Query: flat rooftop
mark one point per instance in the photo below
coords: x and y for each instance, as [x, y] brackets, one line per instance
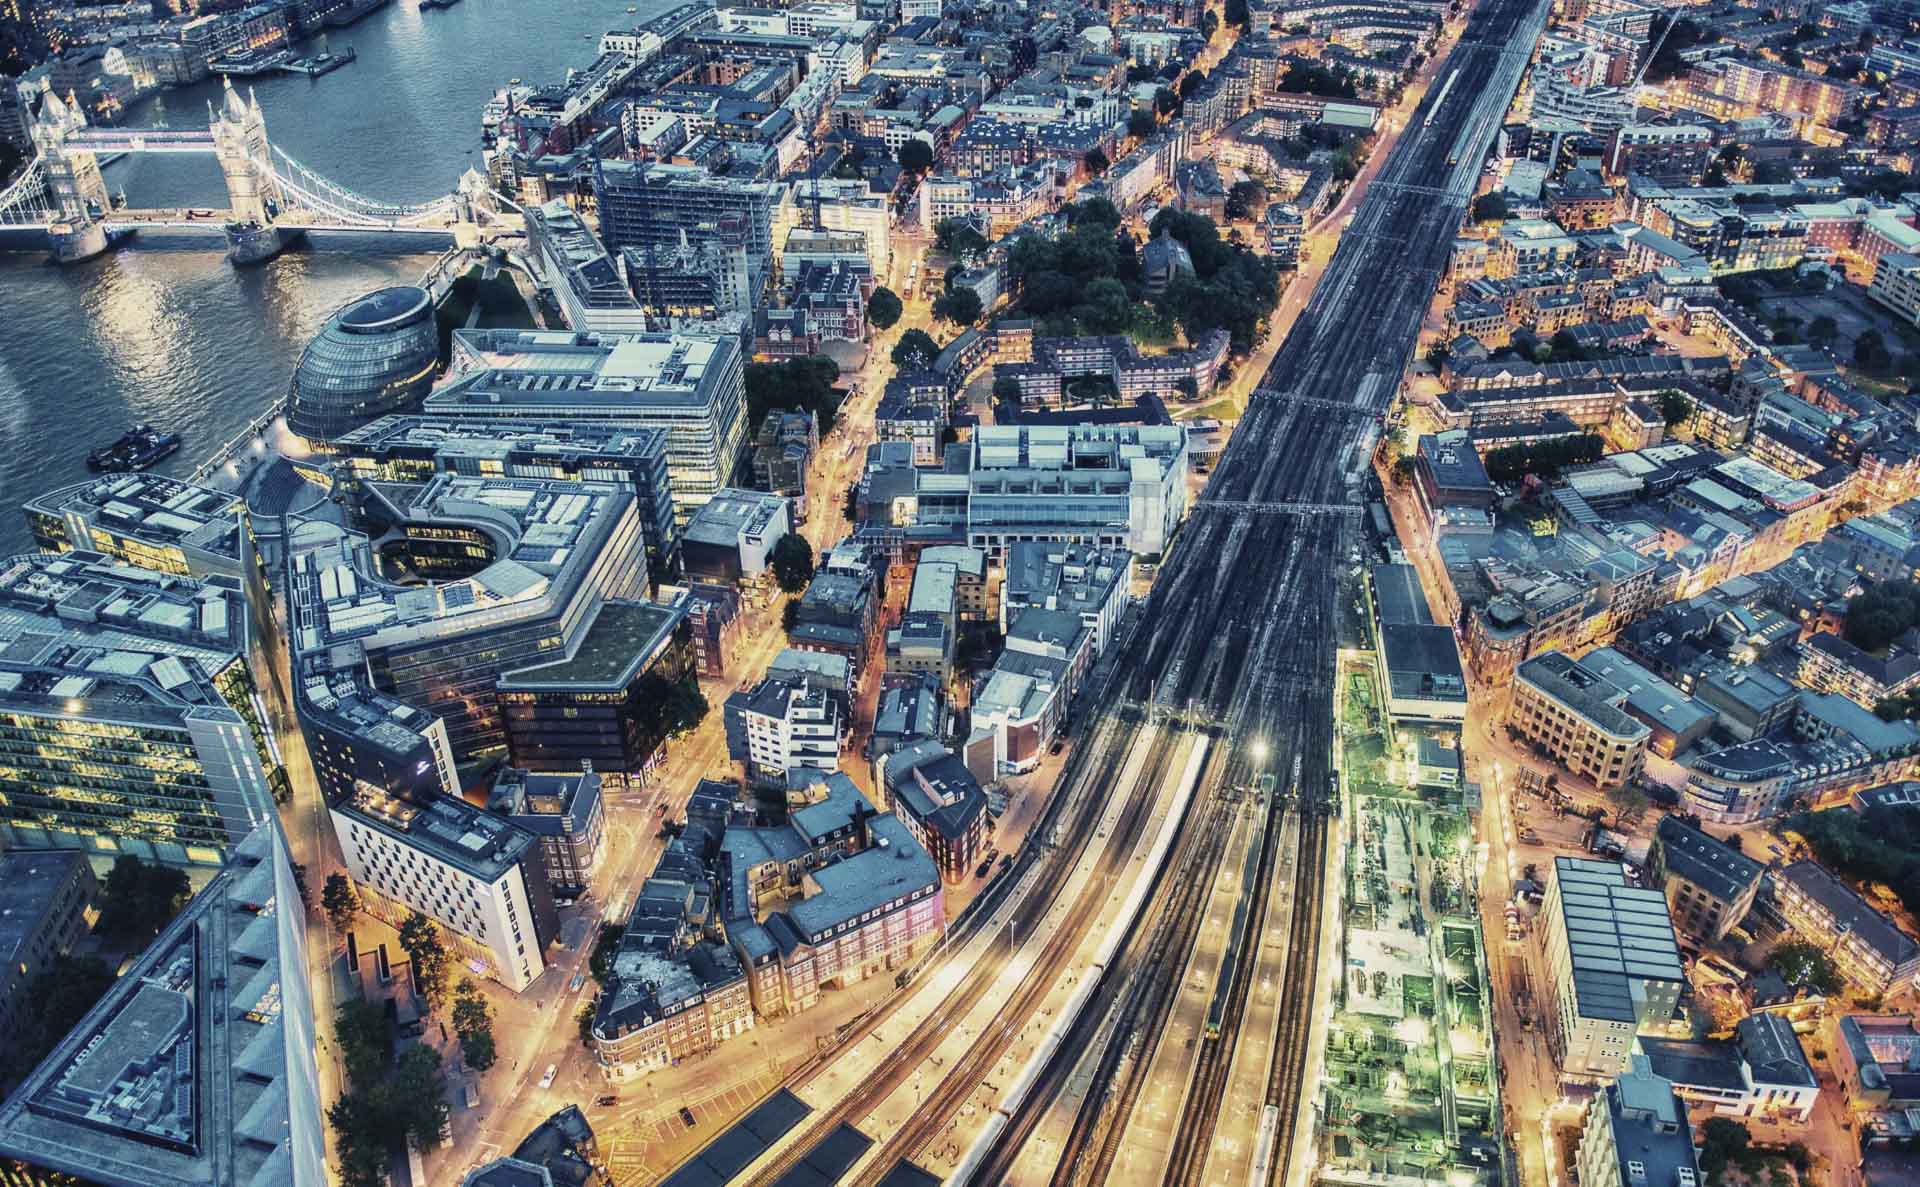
[152, 508]
[622, 639]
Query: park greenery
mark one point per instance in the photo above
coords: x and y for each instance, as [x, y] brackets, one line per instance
[1803, 964]
[140, 898]
[1089, 280]
[388, 1103]
[1880, 845]
[1544, 458]
[1882, 614]
[52, 1003]
[792, 562]
[794, 385]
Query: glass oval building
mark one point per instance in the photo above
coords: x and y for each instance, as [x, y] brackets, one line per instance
[377, 355]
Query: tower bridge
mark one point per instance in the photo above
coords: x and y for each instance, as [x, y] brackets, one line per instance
[271, 198]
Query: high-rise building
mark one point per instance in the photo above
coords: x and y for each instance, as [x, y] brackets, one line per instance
[198, 1066]
[416, 448]
[481, 878]
[377, 355]
[44, 899]
[690, 386]
[647, 206]
[577, 269]
[522, 573]
[130, 720]
[1613, 967]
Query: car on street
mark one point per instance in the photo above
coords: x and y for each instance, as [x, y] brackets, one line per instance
[606, 1099]
[686, 1115]
[579, 979]
[553, 1071]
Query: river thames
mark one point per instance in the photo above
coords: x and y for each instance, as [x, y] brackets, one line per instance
[182, 339]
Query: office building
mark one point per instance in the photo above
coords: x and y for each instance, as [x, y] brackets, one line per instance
[1577, 716]
[575, 267]
[1868, 948]
[418, 448]
[1636, 1134]
[781, 726]
[840, 615]
[1452, 486]
[1095, 583]
[198, 1066]
[154, 522]
[1760, 1075]
[649, 207]
[835, 896]
[1021, 706]
[731, 537]
[523, 569]
[1710, 885]
[1878, 1062]
[568, 815]
[44, 900]
[130, 720]
[1613, 968]
[941, 803]
[691, 387]
[482, 879]
[972, 596]
[605, 704]
[377, 355]
[1110, 486]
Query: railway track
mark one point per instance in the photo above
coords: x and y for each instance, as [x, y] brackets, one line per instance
[1286, 1082]
[959, 1082]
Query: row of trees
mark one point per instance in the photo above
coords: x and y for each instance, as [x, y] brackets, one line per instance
[1882, 614]
[1879, 845]
[388, 1102]
[1544, 458]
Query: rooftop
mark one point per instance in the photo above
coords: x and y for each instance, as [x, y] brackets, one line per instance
[732, 515]
[1723, 871]
[193, 1069]
[446, 828]
[151, 508]
[1619, 937]
[622, 640]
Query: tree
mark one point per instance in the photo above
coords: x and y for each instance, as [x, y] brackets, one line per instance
[792, 562]
[794, 385]
[915, 351]
[1166, 102]
[1188, 389]
[1096, 161]
[360, 1033]
[1545, 458]
[339, 901]
[1245, 199]
[1006, 390]
[883, 308]
[583, 1019]
[417, 1096]
[1675, 407]
[1141, 123]
[959, 238]
[1822, 330]
[473, 1022]
[605, 945]
[789, 616]
[51, 1005]
[1801, 963]
[916, 156]
[140, 898]
[1490, 207]
[961, 307]
[359, 1153]
[1870, 353]
[1208, 23]
[432, 967]
[1722, 1141]
[1190, 84]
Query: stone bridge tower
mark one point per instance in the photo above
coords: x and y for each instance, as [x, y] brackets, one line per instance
[246, 158]
[74, 184]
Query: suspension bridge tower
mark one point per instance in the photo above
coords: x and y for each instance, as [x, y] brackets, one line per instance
[74, 185]
[253, 189]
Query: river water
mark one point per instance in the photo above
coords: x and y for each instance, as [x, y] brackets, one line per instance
[176, 336]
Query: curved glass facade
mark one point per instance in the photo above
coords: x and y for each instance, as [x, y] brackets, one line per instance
[375, 356]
